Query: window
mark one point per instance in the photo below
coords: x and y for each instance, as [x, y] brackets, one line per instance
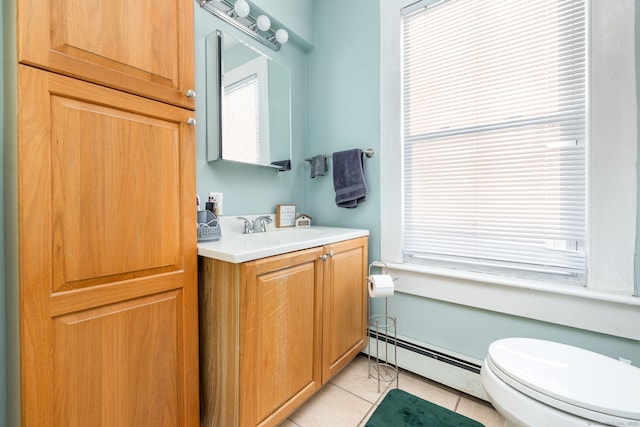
[494, 140]
[245, 111]
[241, 119]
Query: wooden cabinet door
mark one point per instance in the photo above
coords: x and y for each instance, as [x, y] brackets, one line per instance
[143, 47]
[345, 304]
[107, 257]
[280, 336]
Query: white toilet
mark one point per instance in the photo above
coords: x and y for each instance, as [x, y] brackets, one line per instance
[546, 384]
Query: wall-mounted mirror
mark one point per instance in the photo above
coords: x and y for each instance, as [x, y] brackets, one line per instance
[248, 105]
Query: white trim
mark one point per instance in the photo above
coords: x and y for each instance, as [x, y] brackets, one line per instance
[613, 136]
[390, 130]
[605, 305]
[567, 305]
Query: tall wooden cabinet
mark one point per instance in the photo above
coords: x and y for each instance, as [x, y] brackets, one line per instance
[104, 214]
[274, 330]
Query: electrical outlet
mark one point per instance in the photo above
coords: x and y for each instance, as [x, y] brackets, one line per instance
[217, 197]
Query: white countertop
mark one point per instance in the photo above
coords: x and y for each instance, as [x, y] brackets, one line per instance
[236, 247]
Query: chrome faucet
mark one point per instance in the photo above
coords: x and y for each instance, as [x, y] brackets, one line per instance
[260, 223]
[248, 225]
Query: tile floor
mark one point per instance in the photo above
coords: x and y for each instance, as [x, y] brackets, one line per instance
[350, 398]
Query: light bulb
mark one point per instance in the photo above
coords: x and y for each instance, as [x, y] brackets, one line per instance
[263, 22]
[241, 8]
[282, 36]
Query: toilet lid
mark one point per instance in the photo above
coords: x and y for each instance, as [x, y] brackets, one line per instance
[576, 376]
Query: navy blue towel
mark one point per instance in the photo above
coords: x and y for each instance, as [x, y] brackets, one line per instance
[318, 165]
[285, 165]
[348, 178]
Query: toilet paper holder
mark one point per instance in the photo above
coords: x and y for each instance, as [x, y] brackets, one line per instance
[385, 329]
[380, 264]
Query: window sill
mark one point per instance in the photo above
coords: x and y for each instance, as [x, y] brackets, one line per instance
[578, 307]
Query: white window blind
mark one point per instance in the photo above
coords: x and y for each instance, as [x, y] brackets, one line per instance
[494, 136]
[241, 121]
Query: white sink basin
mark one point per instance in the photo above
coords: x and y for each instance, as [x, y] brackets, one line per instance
[236, 248]
[279, 236]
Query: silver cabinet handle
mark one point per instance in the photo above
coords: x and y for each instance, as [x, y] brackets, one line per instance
[331, 254]
[323, 257]
[191, 93]
[191, 121]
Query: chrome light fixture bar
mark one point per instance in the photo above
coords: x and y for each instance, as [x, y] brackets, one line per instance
[238, 15]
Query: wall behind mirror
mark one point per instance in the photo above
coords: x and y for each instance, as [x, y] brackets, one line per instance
[248, 105]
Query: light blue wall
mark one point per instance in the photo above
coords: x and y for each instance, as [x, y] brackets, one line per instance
[250, 189]
[469, 331]
[343, 109]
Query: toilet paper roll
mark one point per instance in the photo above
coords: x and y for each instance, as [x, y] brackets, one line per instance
[380, 285]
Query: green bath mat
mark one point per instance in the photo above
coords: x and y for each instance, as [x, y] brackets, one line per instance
[400, 408]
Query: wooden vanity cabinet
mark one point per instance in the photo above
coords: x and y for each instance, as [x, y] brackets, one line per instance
[274, 330]
[345, 304]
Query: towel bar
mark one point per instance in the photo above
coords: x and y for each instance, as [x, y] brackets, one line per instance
[369, 152]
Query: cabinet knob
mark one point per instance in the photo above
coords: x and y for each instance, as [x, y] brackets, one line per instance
[323, 257]
[191, 93]
[331, 254]
[191, 121]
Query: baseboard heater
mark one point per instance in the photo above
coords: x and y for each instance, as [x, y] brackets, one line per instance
[424, 351]
[433, 364]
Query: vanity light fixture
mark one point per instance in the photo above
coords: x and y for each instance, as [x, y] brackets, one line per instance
[263, 23]
[241, 8]
[238, 14]
[281, 36]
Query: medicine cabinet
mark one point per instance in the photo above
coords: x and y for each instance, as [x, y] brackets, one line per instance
[248, 104]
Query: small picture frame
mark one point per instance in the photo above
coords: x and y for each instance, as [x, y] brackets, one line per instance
[285, 216]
